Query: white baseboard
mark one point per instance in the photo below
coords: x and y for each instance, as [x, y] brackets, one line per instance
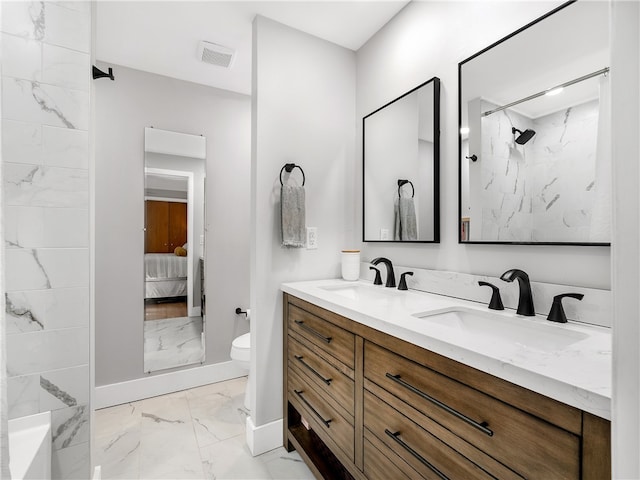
[154, 385]
[265, 437]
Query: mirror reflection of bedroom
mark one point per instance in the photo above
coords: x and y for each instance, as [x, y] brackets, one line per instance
[173, 252]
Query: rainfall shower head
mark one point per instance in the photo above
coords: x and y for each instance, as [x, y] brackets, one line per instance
[524, 137]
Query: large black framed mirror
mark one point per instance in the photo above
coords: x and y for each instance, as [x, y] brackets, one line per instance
[401, 156]
[534, 143]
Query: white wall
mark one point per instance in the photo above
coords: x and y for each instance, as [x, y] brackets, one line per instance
[429, 39]
[123, 108]
[625, 108]
[303, 112]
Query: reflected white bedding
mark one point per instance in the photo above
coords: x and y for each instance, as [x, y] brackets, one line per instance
[165, 288]
[164, 266]
[165, 275]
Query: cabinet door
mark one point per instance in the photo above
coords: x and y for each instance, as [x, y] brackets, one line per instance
[177, 225]
[156, 238]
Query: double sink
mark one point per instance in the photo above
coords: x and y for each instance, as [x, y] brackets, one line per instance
[500, 329]
[569, 362]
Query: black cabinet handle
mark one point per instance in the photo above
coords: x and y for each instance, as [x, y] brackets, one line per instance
[480, 426]
[302, 325]
[315, 412]
[313, 370]
[396, 437]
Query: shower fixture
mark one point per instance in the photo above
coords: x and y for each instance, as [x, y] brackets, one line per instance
[524, 137]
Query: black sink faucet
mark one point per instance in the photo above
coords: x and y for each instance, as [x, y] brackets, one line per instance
[391, 278]
[525, 302]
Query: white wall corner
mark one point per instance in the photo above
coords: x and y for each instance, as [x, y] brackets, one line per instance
[263, 438]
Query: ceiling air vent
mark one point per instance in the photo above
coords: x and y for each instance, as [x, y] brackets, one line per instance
[215, 54]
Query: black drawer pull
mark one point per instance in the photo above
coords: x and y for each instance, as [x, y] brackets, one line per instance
[312, 331]
[315, 412]
[313, 370]
[480, 426]
[396, 437]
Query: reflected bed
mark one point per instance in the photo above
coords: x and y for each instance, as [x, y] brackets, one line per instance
[165, 275]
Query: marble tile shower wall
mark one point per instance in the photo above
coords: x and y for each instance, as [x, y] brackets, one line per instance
[45, 153]
[544, 190]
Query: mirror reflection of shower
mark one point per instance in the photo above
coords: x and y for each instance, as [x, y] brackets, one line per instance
[543, 165]
[173, 254]
[523, 137]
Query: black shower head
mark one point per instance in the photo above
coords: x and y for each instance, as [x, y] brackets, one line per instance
[524, 137]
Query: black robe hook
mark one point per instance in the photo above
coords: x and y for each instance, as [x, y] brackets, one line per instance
[97, 73]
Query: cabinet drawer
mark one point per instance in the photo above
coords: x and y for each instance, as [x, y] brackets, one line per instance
[323, 334]
[327, 377]
[330, 426]
[528, 445]
[378, 466]
[397, 436]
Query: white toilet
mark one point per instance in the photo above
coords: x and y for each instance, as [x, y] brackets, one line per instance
[241, 355]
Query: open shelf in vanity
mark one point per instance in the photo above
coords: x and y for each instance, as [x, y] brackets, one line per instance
[379, 407]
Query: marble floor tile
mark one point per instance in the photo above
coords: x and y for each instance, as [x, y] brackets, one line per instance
[193, 434]
[283, 465]
[111, 422]
[218, 411]
[231, 459]
[117, 440]
[172, 342]
[168, 417]
[118, 454]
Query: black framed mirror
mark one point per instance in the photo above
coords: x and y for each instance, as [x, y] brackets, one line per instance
[534, 142]
[401, 156]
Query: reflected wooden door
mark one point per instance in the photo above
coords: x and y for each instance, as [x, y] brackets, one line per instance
[177, 230]
[166, 226]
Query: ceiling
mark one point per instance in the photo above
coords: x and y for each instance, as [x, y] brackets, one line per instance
[163, 37]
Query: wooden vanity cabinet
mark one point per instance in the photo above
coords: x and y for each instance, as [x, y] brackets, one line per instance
[365, 405]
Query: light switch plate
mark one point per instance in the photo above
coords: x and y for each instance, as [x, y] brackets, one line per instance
[384, 234]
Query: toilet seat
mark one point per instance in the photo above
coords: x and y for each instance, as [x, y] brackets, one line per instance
[241, 348]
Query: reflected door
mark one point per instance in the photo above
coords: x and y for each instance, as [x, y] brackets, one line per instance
[166, 226]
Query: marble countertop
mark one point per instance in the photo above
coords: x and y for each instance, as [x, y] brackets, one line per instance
[568, 362]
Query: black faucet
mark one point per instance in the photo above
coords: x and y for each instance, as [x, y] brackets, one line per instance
[496, 300]
[556, 314]
[403, 281]
[525, 302]
[391, 278]
[378, 279]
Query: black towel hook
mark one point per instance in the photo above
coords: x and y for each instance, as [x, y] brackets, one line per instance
[404, 182]
[97, 73]
[289, 168]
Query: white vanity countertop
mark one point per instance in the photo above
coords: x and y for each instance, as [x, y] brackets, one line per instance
[576, 371]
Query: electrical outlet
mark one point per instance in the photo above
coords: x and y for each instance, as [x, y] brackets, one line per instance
[384, 234]
[312, 238]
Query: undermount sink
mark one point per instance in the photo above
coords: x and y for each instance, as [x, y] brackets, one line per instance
[518, 331]
[358, 291]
